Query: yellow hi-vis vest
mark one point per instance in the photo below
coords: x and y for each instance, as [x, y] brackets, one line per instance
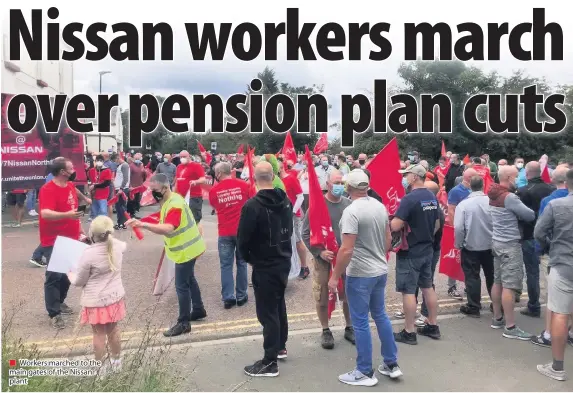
[185, 243]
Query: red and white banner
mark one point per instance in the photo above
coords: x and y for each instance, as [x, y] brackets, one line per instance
[450, 257]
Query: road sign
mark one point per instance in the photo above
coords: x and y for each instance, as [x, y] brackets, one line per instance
[213, 145]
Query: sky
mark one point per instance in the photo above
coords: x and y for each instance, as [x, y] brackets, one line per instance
[186, 76]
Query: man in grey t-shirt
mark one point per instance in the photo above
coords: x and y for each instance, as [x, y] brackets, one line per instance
[366, 237]
[167, 168]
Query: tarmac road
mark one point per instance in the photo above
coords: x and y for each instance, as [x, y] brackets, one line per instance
[23, 297]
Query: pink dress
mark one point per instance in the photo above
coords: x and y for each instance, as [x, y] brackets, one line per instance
[102, 315]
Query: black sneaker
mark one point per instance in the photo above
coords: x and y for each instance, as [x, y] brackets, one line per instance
[177, 330]
[262, 370]
[230, 304]
[326, 339]
[407, 338]
[65, 309]
[58, 322]
[198, 314]
[304, 273]
[432, 331]
[243, 301]
[533, 314]
[541, 340]
[38, 262]
[349, 334]
[470, 311]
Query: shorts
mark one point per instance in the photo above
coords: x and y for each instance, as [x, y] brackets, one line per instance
[320, 277]
[16, 199]
[559, 293]
[196, 206]
[297, 229]
[412, 273]
[508, 265]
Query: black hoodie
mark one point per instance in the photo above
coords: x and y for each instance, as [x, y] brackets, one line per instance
[265, 231]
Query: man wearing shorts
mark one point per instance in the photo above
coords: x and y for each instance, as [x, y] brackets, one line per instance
[322, 258]
[419, 211]
[555, 224]
[296, 197]
[506, 212]
[17, 199]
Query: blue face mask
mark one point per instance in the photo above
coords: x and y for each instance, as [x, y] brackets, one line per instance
[405, 183]
[337, 189]
[138, 162]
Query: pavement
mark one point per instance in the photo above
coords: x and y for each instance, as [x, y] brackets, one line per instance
[147, 315]
[470, 356]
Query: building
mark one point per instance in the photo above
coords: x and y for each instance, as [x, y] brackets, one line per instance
[53, 77]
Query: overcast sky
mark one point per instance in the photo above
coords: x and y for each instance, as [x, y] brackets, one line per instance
[185, 76]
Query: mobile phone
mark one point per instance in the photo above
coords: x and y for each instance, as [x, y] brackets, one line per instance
[82, 208]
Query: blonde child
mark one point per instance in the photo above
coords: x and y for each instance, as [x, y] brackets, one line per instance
[99, 274]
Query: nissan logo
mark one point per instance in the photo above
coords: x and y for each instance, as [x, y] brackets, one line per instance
[20, 139]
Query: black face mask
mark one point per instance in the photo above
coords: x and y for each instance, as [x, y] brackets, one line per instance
[157, 195]
[72, 177]
[362, 162]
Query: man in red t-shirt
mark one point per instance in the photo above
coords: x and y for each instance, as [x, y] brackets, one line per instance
[227, 197]
[101, 178]
[188, 179]
[296, 197]
[59, 216]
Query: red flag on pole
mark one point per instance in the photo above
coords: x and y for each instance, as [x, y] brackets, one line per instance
[240, 150]
[322, 144]
[444, 152]
[467, 159]
[208, 157]
[251, 169]
[450, 257]
[321, 233]
[288, 151]
[545, 175]
[384, 176]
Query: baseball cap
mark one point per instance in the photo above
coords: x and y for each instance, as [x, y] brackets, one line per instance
[358, 179]
[415, 169]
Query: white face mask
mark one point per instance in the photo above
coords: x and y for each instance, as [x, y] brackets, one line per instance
[519, 165]
[99, 164]
[184, 160]
[165, 160]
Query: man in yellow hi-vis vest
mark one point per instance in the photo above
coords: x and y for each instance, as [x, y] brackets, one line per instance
[183, 244]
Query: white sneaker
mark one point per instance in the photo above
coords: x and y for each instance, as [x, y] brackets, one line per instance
[392, 372]
[356, 378]
[33, 213]
[421, 322]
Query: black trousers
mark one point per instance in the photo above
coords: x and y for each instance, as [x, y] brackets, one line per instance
[269, 288]
[472, 261]
[133, 204]
[56, 287]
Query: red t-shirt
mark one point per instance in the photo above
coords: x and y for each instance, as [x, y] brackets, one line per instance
[61, 200]
[185, 174]
[173, 217]
[293, 188]
[228, 198]
[97, 177]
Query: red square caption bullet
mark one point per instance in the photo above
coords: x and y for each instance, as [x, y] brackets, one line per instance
[12, 363]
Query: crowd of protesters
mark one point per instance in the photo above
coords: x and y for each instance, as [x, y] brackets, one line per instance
[505, 217]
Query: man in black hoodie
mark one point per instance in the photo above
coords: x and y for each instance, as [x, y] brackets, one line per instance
[264, 241]
[456, 169]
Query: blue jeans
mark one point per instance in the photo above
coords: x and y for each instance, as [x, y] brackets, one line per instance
[227, 253]
[364, 295]
[99, 208]
[532, 261]
[187, 289]
[31, 200]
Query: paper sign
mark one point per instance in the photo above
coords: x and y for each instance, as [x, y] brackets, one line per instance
[65, 255]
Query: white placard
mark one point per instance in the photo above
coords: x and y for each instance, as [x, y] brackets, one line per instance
[65, 255]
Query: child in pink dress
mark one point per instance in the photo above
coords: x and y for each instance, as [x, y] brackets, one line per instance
[99, 274]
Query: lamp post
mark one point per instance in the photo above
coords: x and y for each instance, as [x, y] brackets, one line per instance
[101, 73]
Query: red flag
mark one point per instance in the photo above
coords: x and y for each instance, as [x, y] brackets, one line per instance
[138, 190]
[208, 156]
[322, 144]
[201, 148]
[450, 257]
[321, 233]
[467, 159]
[240, 149]
[545, 175]
[152, 218]
[444, 152]
[251, 169]
[485, 174]
[384, 176]
[288, 151]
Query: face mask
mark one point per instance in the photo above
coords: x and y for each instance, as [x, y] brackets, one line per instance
[337, 189]
[157, 195]
[138, 162]
[405, 183]
[411, 158]
[324, 163]
[99, 164]
[362, 162]
[72, 177]
[519, 165]
[165, 160]
[442, 165]
[304, 166]
[184, 161]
